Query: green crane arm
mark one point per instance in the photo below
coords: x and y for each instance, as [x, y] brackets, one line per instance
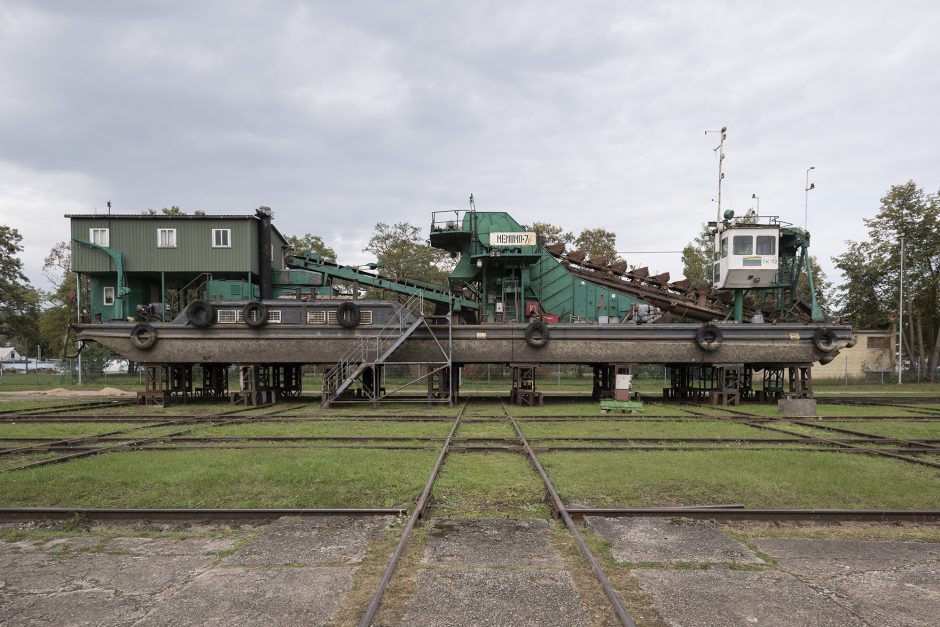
[121, 290]
[431, 292]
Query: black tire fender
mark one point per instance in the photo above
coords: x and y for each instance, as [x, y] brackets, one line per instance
[255, 314]
[199, 313]
[347, 315]
[143, 336]
[709, 337]
[825, 339]
[536, 334]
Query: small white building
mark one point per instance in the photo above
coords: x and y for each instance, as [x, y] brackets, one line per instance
[9, 354]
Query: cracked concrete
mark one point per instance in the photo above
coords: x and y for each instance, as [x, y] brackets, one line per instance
[493, 572]
[484, 572]
[123, 578]
[673, 540]
[884, 583]
[719, 596]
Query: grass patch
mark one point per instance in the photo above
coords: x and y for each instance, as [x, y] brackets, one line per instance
[825, 409]
[143, 411]
[591, 408]
[900, 429]
[351, 428]
[66, 430]
[224, 478]
[488, 485]
[21, 459]
[785, 479]
[637, 429]
[488, 429]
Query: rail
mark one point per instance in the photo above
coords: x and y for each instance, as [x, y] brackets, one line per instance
[376, 600]
[559, 507]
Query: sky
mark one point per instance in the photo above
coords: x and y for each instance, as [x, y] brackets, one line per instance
[339, 115]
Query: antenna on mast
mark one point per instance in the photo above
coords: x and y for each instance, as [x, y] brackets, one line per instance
[473, 205]
[720, 149]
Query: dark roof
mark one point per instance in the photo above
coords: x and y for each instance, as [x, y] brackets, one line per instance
[163, 216]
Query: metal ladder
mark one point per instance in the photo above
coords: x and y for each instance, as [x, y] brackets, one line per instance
[371, 351]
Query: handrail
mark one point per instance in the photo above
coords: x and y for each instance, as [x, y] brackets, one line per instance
[205, 277]
[361, 352]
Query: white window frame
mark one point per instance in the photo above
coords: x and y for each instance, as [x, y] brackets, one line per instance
[171, 239]
[228, 238]
[231, 316]
[365, 316]
[316, 316]
[331, 316]
[107, 296]
[274, 316]
[105, 233]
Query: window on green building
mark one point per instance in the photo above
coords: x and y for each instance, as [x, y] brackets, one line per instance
[101, 237]
[108, 296]
[166, 238]
[221, 238]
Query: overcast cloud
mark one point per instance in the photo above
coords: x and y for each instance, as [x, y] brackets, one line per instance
[342, 114]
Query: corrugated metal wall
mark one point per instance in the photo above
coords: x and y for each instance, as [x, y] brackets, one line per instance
[137, 240]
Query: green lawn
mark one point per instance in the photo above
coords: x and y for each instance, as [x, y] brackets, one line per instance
[224, 478]
[487, 429]
[900, 429]
[352, 428]
[479, 485]
[21, 459]
[787, 479]
[67, 430]
[663, 429]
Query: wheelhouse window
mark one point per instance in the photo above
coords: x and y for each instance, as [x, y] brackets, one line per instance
[108, 296]
[166, 238]
[766, 245]
[743, 245]
[101, 237]
[221, 238]
[724, 247]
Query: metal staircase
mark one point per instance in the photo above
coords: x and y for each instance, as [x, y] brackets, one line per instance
[365, 359]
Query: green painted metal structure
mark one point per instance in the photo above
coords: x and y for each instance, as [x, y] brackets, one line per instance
[511, 277]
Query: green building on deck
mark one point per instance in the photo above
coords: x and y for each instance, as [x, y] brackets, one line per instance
[140, 260]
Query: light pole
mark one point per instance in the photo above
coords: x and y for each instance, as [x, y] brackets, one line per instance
[806, 202]
[757, 198]
[720, 150]
[901, 316]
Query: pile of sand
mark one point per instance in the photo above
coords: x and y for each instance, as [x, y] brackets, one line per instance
[64, 393]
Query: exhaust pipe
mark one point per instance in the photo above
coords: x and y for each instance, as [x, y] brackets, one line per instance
[264, 251]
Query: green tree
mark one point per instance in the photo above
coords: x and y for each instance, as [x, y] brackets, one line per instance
[59, 303]
[697, 264]
[403, 253]
[872, 270]
[598, 242]
[169, 211]
[551, 234]
[309, 243]
[19, 302]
